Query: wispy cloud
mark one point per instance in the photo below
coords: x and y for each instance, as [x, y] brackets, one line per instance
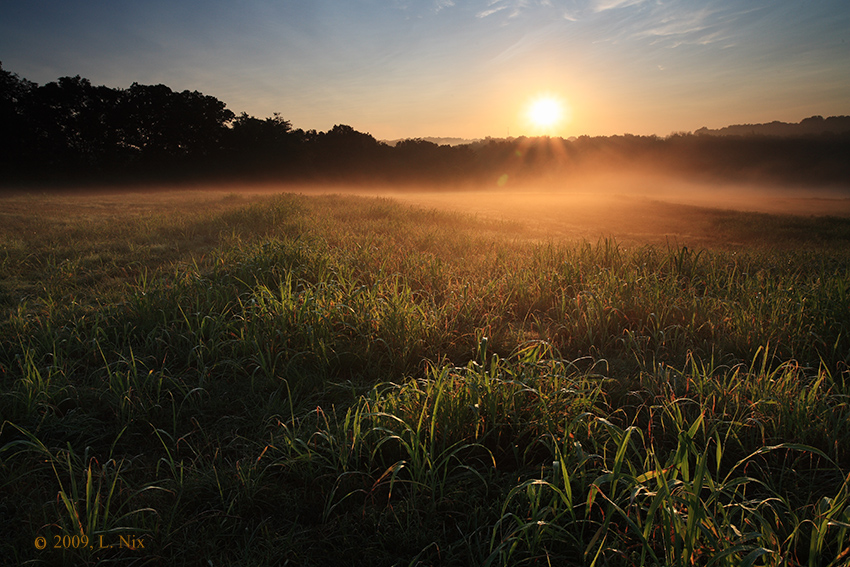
[688, 27]
[664, 23]
[667, 24]
[490, 11]
[514, 7]
[570, 10]
[604, 5]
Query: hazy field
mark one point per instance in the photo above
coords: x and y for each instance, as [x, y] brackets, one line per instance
[634, 210]
[614, 374]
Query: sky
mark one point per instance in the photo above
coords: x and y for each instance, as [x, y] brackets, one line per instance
[456, 68]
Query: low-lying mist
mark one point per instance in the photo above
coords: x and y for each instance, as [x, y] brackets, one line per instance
[632, 206]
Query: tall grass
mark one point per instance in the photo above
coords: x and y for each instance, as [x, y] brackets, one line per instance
[341, 379]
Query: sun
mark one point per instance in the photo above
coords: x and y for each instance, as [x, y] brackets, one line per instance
[546, 112]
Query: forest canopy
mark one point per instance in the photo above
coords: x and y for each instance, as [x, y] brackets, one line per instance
[70, 132]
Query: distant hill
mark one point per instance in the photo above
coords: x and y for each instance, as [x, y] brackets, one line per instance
[438, 141]
[813, 126]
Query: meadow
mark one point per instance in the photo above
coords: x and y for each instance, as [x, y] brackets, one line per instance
[226, 378]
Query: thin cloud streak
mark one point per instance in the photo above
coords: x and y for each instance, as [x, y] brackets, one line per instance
[490, 11]
[605, 5]
[669, 25]
[685, 27]
[515, 7]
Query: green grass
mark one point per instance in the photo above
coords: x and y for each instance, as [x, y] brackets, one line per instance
[349, 380]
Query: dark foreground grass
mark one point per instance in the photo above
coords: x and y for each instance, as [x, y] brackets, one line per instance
[343, 380]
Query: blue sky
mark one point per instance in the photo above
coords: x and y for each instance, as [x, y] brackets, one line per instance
[408, 68]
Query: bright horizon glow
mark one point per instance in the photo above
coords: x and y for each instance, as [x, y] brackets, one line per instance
[420, 68]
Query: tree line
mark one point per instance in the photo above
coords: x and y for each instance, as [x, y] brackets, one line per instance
[72, 132]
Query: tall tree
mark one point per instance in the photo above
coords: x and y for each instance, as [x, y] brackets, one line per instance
[261, 147]
[167, 127]
[73, 123]
[15, 135]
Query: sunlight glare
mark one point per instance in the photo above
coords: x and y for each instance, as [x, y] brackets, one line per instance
[546, 112]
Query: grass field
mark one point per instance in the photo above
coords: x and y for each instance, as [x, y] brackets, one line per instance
[211, 378]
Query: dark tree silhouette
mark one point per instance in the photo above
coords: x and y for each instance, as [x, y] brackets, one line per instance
[170, 129]
[16, 136]
[261, 148]
[343, 152]
[73, 123]
[431, 162]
